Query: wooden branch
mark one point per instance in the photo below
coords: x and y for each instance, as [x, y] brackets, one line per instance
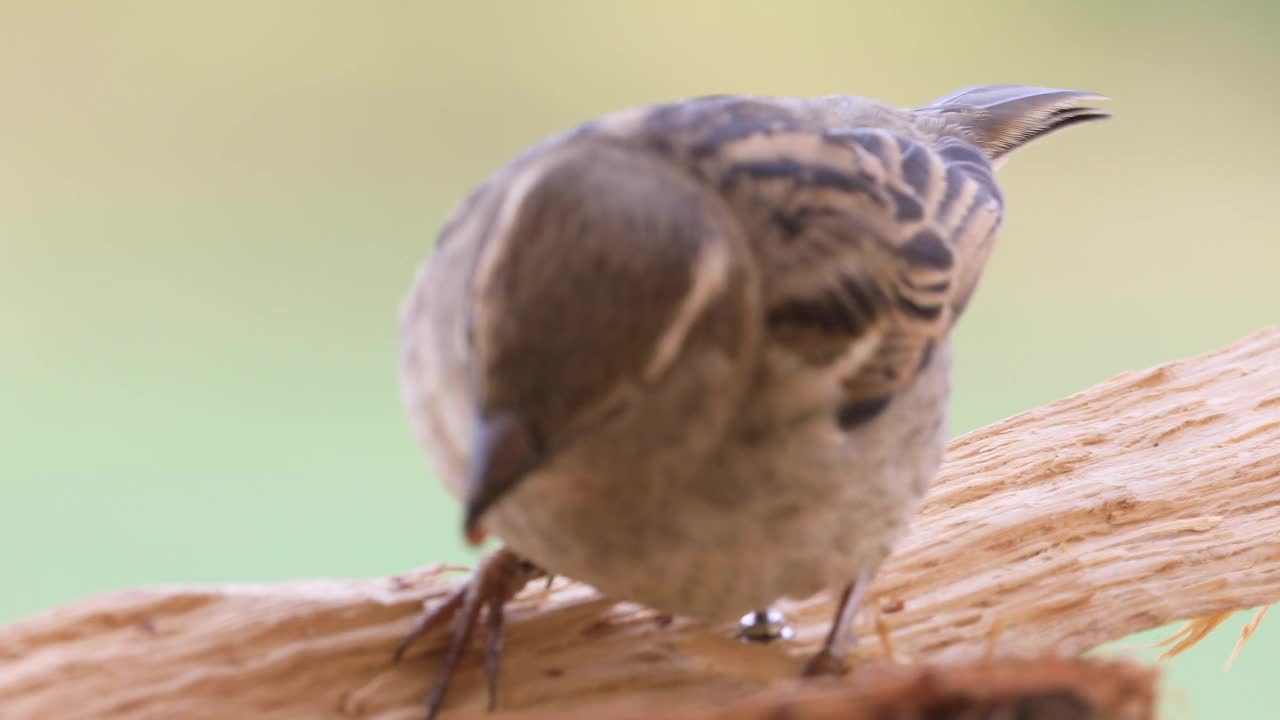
[1042, 689]
[1152, 497]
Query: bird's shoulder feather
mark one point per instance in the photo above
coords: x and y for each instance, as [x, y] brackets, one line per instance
[870, 234]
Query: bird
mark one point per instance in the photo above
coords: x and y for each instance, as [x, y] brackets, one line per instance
[697, 354]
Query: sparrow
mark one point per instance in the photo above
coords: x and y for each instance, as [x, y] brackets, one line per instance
[697, 354]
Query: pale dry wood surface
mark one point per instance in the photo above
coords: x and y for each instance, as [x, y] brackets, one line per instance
[1002, 689]
[1152, 497]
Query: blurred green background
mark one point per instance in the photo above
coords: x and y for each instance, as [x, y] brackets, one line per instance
[209, 214]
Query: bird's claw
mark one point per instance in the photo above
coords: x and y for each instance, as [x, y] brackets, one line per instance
[497, 579]
[825, 664]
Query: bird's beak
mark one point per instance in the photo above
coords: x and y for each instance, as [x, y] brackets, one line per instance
[504, 450]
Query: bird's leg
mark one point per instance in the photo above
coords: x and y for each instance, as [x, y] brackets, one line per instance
[499, 577]
[830, 659]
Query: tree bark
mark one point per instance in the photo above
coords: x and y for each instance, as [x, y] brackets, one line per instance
[1149, 498]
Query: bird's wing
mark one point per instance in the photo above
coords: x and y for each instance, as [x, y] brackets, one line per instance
[870, 240]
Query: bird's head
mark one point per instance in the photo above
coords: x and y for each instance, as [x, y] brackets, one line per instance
[605, 275]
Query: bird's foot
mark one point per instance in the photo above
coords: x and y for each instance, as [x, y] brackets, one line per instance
[825, 664]
[498, 578]
[830, 660]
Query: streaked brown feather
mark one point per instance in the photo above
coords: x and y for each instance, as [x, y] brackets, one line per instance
[861, 233]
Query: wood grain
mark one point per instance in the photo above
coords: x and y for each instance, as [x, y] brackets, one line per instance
[1151, 497]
